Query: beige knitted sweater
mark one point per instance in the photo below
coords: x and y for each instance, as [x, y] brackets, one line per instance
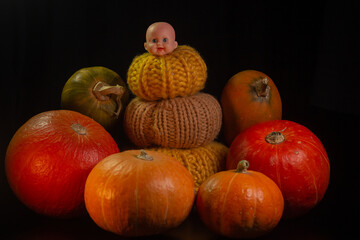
[182, 122]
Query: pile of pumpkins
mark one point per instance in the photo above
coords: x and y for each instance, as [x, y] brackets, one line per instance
[64, 163]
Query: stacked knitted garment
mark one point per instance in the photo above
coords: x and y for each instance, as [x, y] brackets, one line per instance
[171, 115]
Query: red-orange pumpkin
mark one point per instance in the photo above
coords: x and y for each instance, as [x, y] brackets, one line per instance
[291, 155]
[138, 193]
[49, 158]
[240, 203]
[249, 97]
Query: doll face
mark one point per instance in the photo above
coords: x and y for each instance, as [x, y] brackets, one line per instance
[160, 39]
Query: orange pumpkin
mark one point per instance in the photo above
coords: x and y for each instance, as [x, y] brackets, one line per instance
[138, 193]
[249, 97]
[240, 203]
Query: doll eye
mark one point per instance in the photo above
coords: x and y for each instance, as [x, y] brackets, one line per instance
[165, 40]
[154, 40]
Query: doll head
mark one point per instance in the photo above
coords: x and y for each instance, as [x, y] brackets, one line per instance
[160, 39]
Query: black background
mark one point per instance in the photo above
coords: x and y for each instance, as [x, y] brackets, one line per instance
[308, 49]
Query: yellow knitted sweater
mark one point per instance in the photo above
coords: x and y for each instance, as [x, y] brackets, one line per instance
[180, 73]
[202, 162]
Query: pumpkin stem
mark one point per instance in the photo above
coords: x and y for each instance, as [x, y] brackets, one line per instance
[144, 156]
[102, 92]
[242, 166]
[79, 129]
[262, 88]
[275, 138]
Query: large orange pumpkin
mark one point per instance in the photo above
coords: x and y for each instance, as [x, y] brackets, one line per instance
[138, 193]
[49, 157]
[240, 203]
[249, 97]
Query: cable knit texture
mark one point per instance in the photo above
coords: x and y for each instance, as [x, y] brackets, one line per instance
[202, 162]
[180, 73]
[182, 122]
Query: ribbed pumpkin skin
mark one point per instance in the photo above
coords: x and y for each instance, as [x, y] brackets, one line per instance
[299, 165]
[135, 197]
[180, 73]
[78, 95]
[49, 158]
[182, 122]
[242, 107]
[240, 205]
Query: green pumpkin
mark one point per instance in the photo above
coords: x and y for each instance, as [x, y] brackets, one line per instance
[97, 92]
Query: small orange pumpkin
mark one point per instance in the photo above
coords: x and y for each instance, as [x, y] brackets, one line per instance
[138, 193]
[249, 97]
[240, 203]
